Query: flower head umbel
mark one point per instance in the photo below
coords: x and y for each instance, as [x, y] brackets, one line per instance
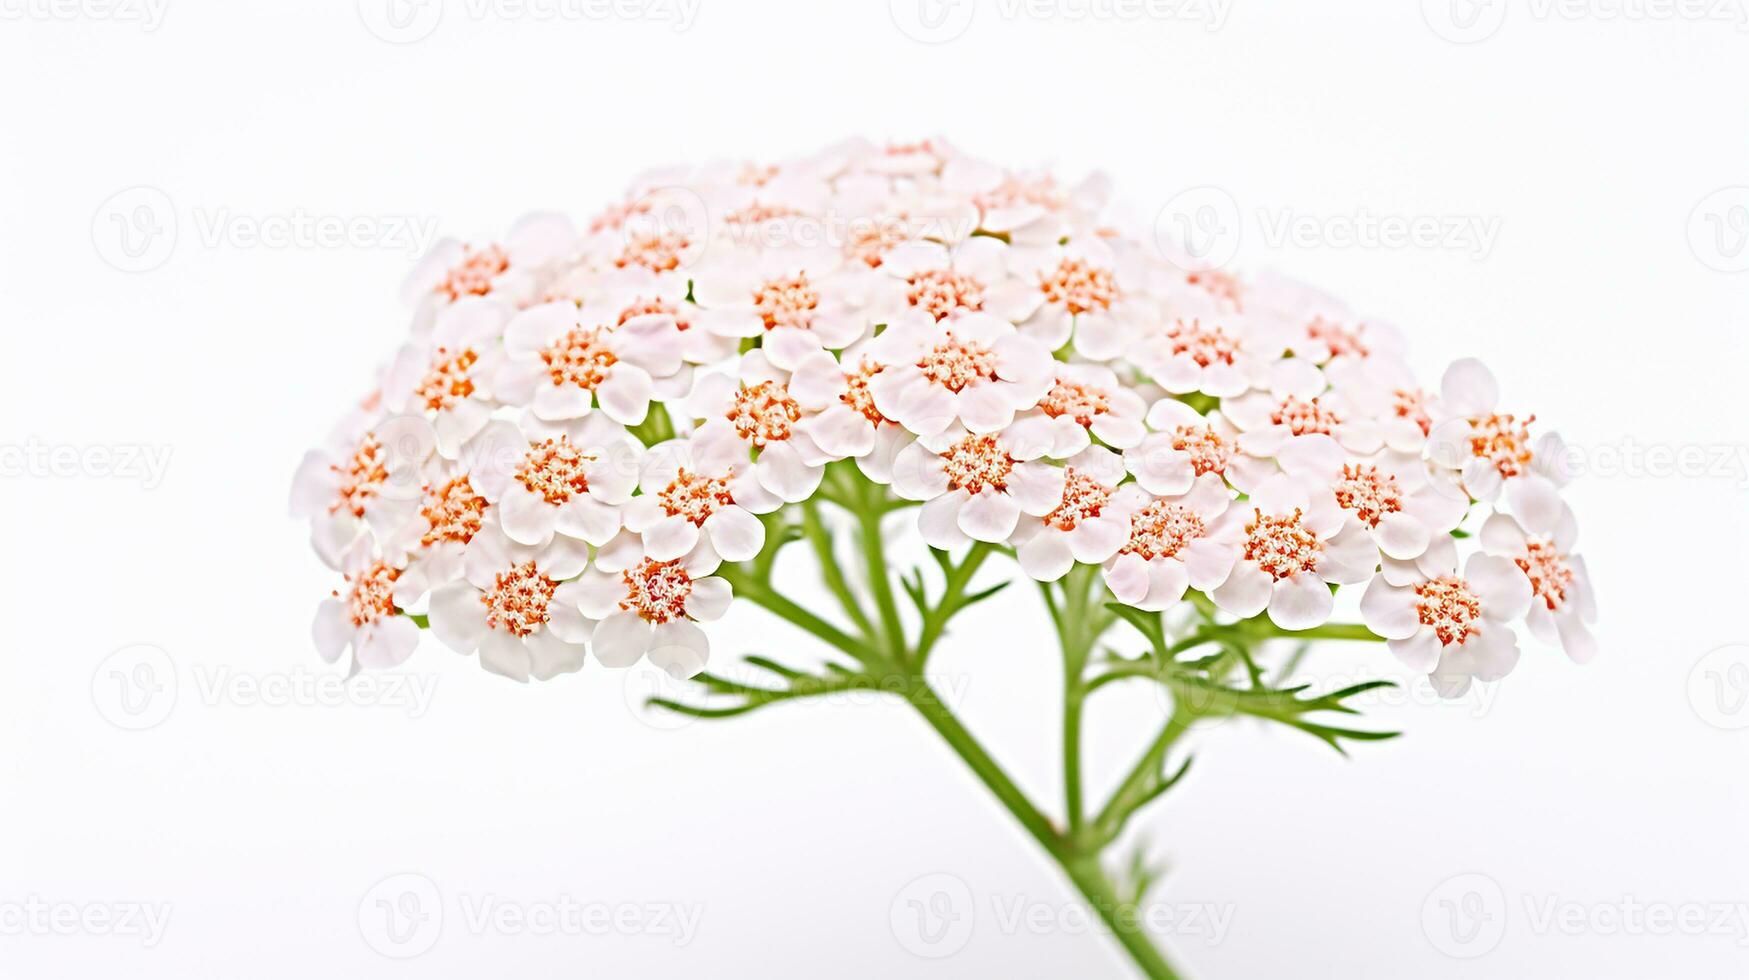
[592, 429]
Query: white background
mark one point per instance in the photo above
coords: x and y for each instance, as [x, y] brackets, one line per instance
[1605, 303]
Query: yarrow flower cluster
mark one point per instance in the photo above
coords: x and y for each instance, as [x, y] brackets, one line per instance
[589, 420]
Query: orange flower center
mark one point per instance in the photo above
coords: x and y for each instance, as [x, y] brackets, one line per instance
[764, 413]
[553, 470]
[1368, 493]
[1549, 572]
[1079, 287]
[943, 292]
[520, 600]
[581, 357]
[657, 590]
[452, 512]
[1162, 529]
[787, 301]
[1447, 604]
[1282, 545]
[977, 463]
[473, 275]
[372, 596]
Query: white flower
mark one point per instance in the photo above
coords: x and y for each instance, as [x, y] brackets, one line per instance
[1453, 627]
[369, 481]
[1304, 432]
[511, 271]
[683, 502]
[974, 370]
[975, 485]
[1289, 554]
[1562, 606]
[366, 618]
[1074, 290]
[1388, 495]
[435, 540]
[1215, 358]
[563, 361]
[1173, 544]
[781, 297]
[1494, 453]
[647, 607]
[1186, 445]
[792, 419]
[1089, 525]
[1084, 401]
[448, 379]
[517, 606]
[571, 483]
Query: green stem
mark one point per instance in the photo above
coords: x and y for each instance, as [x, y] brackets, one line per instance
[761, 595]
[869, 513]
[957, 582]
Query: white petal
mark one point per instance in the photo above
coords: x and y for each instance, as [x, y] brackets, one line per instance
[1301, 602]
[735, 534]
[1500, 584]
[1389, 611]
[332, 631]
[388, 642]
[989, 516]
[458, 618]
[1419, 652]
[709, 599]
[503, 653]
[670, 538]
[1246, 592]
[621, 639]
[680, 648]
[1046, 557]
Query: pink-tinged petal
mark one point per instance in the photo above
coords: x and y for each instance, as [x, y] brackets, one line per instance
[1502, 536]
[1046, 556]
[789, 346]
[549, 655]
[1419, 652]
[938, 521]
[782, 471]
[1127, 578]
[1482, 479]
[1013, 300]
[652, 342]
[735, 534]
[921, 406]
[1389, 611]
[989, 516]
[840, 432]
[642, 511]
[1024, 362]
[625, 394]
[565, 614]
[1468, 388]
[1209, 563]
[918, 474]
[331, 630]
[598, 593]
[538, 327]
[1402, 536]
[1349, 558]
[505, 655]
[817, 380]
[621, 639]
[1246, 591]
[709, 599]
[680, 648]
[984, 408]
[588, 519]
[716, 447]
[1576, 639]
[1500, 584]
[1536, 503]
[564, 558]
[1281, 495]
[1296, 378]
[1037, 488]
[526, 517]
[1311, 454]
[1301, 602]
[670, 538]
[1494, 652]
[1167, 580]
[1096, 539]
[1160, 469]
[730, 323]
[457, 617]
[1118, 431]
